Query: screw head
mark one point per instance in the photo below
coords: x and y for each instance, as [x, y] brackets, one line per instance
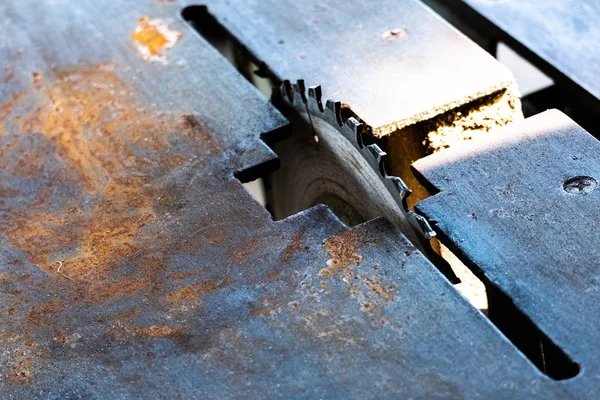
[580, 185]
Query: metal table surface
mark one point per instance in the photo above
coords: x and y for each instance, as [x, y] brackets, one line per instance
[389, 80]
[563, 34]
[523, 211]
[134, 263]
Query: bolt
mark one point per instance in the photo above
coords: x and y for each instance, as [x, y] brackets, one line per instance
[580, 185]
[394, 34]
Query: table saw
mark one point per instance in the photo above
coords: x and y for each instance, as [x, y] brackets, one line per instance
[392, 151]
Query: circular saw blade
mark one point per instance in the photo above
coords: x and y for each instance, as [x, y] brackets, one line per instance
[326, 162]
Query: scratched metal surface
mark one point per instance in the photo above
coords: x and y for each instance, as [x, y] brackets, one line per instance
[134, 265]
[427, 68]
[563, 33]
[503, 209]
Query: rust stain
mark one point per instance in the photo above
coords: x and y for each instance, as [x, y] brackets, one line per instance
[240, 253]
[7, 108]
[153, 37]
[37, 315]
[215, 236]
[342, 252]
[120, 332]
[259, 312]
[184, 275]
[41, 317]
[20, 371]
[375, 286]
[6, 277]
[107, 290]
[155, 331]
[191, 294]
[128, 314]
[273, 276]
[92, 135]
[296, 245]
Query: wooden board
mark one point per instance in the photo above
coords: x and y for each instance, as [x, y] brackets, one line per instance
[510, 208]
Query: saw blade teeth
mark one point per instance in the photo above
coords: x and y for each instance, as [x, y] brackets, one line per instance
[299, 92]
[379, 156]
[422, 225]
[286, 91]
[357, 129]
[314, 99]
[334, 111]
[311, 101]
[401, 187]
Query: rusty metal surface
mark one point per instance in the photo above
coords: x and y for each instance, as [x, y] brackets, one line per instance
[134, 265]
[523, 212]
[393, 64]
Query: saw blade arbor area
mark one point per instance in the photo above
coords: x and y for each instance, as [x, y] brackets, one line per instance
[310, 103]
[352, 130]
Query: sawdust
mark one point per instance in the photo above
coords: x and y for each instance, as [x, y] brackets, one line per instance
[473, 120]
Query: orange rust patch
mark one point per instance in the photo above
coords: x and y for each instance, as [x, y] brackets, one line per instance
[342, 250]
[240, 253]
[103, 291]
[375, 286]
[295, 246]
[153, 37]
[92, 135]
[155, 331]
[215, 236]
[259, 312]
[8, 108]
[256, 311]
[10, 277]
[192, 293]
[37, 315]
[128, 314]
[184, 275]
[273, 276]
[41, 316]
[20, 371]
